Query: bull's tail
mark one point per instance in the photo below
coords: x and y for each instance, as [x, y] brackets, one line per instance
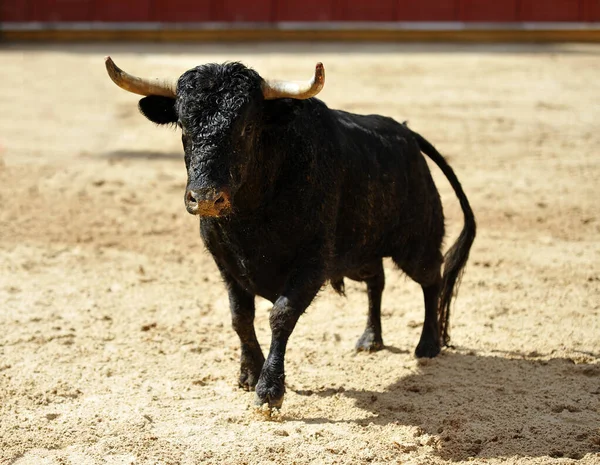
[456, 258]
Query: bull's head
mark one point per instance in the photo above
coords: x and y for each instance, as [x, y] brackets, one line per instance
[220, 110]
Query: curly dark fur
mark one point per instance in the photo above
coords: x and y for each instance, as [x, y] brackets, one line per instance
[317, 195]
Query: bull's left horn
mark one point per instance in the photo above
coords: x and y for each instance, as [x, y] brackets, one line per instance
[273, 89]
[138, 85]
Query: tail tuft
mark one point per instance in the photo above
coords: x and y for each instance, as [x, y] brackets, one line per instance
[454, 266]
[456, 258]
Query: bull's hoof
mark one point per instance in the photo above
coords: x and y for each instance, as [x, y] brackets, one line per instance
[248, 379]
[369, 342]
[427, 349]
[250, 367]
[270, 395]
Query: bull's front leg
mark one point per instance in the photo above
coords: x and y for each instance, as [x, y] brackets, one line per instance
[300, 290]
[241, 304]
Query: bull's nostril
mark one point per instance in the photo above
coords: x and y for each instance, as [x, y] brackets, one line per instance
[206, 201]
[190, 198]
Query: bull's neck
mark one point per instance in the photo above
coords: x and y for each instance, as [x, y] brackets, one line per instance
[268, 172]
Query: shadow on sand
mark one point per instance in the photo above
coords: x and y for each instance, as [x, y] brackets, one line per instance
[486, 406]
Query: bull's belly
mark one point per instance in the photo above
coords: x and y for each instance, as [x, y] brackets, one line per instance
[357, 246]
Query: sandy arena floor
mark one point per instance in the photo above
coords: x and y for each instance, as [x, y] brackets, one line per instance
[116, 344]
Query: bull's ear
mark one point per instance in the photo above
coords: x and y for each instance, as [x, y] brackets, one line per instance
[159, 110]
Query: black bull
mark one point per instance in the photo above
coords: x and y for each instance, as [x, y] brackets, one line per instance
[292, 194]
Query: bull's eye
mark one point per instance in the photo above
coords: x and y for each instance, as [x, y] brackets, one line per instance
[247, 129]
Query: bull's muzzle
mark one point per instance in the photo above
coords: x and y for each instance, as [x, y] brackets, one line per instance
[207, 202]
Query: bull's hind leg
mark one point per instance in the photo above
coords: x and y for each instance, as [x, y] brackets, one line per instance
[429, 344]
[373, 275]
[426, 272]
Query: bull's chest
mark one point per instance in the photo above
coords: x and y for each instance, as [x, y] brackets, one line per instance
[256, 256]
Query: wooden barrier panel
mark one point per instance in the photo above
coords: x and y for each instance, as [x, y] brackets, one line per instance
[306, 10]
[427, 10]
[180, 10]
[299, 10]
[119, 10]
[551, 10]
[373, 10]
[61, 10]
[488, 10]
[243, 11]
[14, 10]
[591, 10]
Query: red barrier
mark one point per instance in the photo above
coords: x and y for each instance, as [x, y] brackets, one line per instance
[555, 10]
[427, 10]
[179, 10]
[61, 10]
[488, 10]
[299, 10]
[243, 11]
[373, 10]
[119, 10]
[306, 10]
[14, 10]
[591, 10]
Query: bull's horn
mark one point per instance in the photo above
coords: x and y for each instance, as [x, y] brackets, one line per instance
[273, 89]
[138, 85]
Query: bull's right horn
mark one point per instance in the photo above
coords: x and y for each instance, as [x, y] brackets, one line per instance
[138, 85]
